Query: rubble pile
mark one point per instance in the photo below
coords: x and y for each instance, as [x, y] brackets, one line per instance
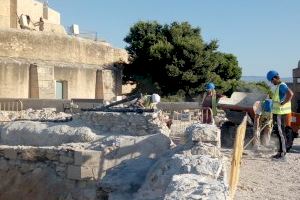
[46, 114]
[32, 133]
[195, 170]
[118, 123]
[220, 118]
[73, 155]
[118, 156]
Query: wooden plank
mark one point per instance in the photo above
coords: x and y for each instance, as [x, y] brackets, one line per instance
[237, 157]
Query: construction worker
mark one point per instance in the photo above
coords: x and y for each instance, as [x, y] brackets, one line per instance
[209, 100]
[40, 24]
[148, 101]
[263, 123]
[281, 110]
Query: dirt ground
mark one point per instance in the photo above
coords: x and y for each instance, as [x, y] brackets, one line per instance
[263, 178]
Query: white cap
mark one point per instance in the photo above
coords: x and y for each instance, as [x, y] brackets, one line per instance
[155, 98]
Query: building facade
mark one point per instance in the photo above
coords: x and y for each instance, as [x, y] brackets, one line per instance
[51, 64]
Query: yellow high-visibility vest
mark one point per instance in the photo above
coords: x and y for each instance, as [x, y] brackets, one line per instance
[277, 107]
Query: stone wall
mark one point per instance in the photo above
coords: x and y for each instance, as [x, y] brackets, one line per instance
[72, 170]
[30, 65]
[117, 123]
[21, 79]
[34, 45]
[14, 79]
[177, 106]
[4, 13]
[195, 170]
[33, 172]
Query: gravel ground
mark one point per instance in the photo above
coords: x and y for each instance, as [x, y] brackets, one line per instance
[262, 178]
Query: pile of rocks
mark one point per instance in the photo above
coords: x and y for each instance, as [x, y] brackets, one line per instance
[118, 123]
[44, 134]
[46, 114]
[196, 170]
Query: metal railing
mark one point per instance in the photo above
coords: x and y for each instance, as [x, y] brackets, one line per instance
[86, 34]
[11, 105]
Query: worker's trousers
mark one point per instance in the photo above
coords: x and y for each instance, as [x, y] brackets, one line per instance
[283, 132]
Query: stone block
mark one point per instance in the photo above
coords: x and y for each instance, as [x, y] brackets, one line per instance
[204, 133]
[32, 154]
[89, 194]
[87, 158]
[10, 153]
[3, 165]
[82, 172]
[26, 167]
[66, 159]
[51, 154]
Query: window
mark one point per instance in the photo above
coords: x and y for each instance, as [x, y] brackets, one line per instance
[59, 90]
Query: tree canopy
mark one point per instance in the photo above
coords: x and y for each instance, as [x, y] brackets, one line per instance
[173, 58]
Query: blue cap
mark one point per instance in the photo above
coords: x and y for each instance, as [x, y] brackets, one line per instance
[271, 74]
[209, 86]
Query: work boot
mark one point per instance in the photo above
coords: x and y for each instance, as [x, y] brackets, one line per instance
[279, 157]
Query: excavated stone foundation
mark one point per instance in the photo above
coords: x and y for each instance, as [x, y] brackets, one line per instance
[115, 156]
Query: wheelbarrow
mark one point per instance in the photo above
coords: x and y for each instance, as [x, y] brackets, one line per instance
[239, 104]
[236, 107]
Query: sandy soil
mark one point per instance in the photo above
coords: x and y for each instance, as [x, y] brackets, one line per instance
[263, 178]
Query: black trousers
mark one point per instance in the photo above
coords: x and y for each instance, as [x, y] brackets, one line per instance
[283, 132]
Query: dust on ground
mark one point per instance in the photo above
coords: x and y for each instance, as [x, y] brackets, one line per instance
[263, 178]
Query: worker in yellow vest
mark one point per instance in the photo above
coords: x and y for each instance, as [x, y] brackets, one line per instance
[281, 110]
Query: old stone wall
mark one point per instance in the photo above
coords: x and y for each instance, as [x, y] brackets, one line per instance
[21, 79]
[134, 124]
[178, 106]
[14, 79]
[72, 170]
[34, 45]
[30, 69]
[34, 171]
[4, 13]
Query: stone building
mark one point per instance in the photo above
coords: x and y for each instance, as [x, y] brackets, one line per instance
[50, 64]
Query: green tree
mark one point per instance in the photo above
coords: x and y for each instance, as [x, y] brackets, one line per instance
[172, 59]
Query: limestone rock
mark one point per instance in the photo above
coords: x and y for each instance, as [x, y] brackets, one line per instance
[44, 134]
[161, 174]
[190, 186]
[205, 133]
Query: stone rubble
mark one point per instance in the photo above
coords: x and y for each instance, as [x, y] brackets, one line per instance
[197, 160]
[44, 134]
[90, 159]
[46, 114]
[134, 124]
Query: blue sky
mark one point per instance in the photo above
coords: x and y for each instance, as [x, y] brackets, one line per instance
[263, 34]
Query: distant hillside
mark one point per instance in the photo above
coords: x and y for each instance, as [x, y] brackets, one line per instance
[262, 78]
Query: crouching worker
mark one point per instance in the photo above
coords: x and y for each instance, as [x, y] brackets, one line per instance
[263, 124]
[148, 101]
